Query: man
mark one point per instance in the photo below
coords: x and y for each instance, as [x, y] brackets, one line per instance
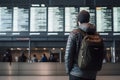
[71, 55]
[22, 57]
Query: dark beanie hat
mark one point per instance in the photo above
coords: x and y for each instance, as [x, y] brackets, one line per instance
[83, 16]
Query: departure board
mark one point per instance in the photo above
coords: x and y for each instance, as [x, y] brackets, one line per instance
[92, 13]
[6, 19]
[70, 18]
[116, 19]
[38, 19]
[104, 19]
[20, 19]
[55, 19]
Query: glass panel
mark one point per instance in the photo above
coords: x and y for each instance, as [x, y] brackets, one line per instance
[116, 19]
[20, 19]
[38, 19]
[108, 52]
[70, 18]
[117, 51]
[103, 19]
[5, 19]
[55, 19]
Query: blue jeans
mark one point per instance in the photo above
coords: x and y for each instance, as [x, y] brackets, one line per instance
[71, 77]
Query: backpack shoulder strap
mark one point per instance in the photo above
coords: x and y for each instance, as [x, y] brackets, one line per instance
[83, 33]
[76, 31]
[79, 36]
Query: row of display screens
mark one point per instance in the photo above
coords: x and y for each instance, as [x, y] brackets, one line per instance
[56, 19]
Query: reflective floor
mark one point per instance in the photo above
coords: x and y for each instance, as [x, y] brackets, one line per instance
[52, 78]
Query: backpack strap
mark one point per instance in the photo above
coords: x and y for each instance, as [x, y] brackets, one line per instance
[76, 31]
[83, 33]
[79, 36]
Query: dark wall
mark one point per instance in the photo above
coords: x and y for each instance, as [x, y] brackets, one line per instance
[25, 44]
[63, 2]
[67, 2]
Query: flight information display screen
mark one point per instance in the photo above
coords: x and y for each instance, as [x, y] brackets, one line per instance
[38, 19]
[20, 19]
[92, 13]
[6, 19]
[116, 19]
[104, 19]
[55, 19]
[70, 18]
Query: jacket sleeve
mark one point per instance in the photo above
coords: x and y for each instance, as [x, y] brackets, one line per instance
[69, 52]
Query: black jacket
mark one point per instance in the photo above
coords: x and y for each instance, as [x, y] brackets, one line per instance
[72, 49]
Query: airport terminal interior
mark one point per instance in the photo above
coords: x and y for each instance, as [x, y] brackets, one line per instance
[37, 28]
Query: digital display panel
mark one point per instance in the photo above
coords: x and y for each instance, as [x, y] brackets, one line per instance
[20, 19]
[92, 13]
[116, 19]
[38, 19]
[104, 19]
[6, 19]
[55, 19]
[70, 18]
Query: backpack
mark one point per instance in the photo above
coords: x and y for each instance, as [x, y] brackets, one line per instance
[91, 52]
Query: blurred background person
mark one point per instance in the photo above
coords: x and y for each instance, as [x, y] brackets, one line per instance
[22, 58]
[34, 58]
[44, 58]
[7, 57]
[52, 58]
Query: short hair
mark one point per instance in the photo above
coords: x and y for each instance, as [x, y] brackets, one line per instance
[83, 16]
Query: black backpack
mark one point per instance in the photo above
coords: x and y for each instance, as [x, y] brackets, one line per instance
[91, 52]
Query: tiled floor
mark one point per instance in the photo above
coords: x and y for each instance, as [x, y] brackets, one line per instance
[52, 77]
